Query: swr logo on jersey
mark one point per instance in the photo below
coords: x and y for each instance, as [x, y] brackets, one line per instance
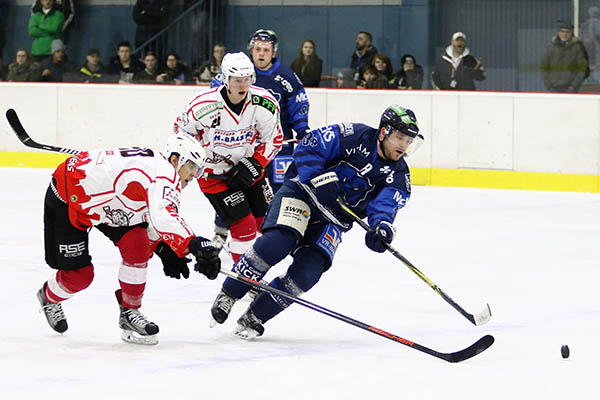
[71, 250]
[117, 217]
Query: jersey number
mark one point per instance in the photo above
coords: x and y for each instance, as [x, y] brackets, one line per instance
[136, 151]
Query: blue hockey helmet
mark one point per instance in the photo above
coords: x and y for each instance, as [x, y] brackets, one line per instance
[264, 35]
[404, 120]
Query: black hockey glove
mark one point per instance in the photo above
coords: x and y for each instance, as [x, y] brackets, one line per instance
[207, 257]
[327, 190]
[380, 236]
[244, 174]
[173, 265]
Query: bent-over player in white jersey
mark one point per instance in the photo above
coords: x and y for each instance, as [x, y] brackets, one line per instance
[132, 196]
[239, 128]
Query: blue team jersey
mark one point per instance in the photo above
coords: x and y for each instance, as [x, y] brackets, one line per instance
[286, 87]
[371, 186]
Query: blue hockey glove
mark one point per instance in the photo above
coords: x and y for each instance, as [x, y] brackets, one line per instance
[244, 174]
[380, 236]
[173, 265]
[327, 189]
[207, 257]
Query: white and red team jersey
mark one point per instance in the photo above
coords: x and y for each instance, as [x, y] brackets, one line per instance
[228, 137]
[124, 187]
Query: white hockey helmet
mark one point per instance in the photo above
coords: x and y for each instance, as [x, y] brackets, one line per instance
[237, 64]
[188, 149]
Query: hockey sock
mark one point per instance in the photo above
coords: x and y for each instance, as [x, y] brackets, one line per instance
[243, 233]
[64, 284]
[135, 250]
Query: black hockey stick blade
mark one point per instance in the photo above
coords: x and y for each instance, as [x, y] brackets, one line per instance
[17, 127]
[477, 319]
[471, 351]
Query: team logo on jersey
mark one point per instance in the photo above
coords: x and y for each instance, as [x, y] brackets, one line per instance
[330, 239]
[264, 102]
[234, 199]
[280, 166]
[347, 129]
[286, 85]
[231, 139]
[117, 217]
[385, 169]
[407, 181]
[358, 150]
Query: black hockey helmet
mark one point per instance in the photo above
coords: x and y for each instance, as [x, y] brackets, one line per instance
[264, 35]
[401, 119]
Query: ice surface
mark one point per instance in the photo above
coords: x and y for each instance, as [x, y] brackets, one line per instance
[533, 256]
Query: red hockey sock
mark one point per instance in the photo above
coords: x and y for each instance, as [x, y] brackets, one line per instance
[64, 284]
[135, 250]
[243, 233]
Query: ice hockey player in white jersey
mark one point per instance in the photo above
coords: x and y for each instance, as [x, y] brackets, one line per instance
[239, 128]
[132, 196]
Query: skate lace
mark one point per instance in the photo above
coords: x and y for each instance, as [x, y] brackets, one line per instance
[54, 312]
[226, 302]
[136, 318]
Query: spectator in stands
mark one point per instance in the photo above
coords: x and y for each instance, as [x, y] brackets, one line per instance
[92, 71]
[45, 26]
[383, 65]
[457, 69]
[67, 7]
[590, 34]
[308, 66]
[151, 16]
[372, 79]
[54, 67]
[174, 71]
[3, 70]
[3, 14]
[205, 73]
[24, 69]
[150, 73]
[123, 65]
[364, 54]
[564, 65]
[345, 79]
[410, 76]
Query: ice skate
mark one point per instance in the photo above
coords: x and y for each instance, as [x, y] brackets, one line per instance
[249, 326]
[219, 240]
[221, 308]
[54, 312]
[136, 328]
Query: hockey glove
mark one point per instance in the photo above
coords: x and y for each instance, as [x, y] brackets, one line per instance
[207, 257]
[244, 174]
[173, 265]
[327, 189]
[380, 236]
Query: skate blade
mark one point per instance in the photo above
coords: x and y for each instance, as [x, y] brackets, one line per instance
[135, 338]
[212, 322]
[245, 333]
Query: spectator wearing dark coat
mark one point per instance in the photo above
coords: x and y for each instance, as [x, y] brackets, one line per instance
[123, 66]
[92, 70]
[24, 69]
[457, 69]
[383, 65]
[54, 68]
[174, 71]
[410, 76]
[364, 54]
[151, 16]
[565, 63]
[308, 66]
[150, 73]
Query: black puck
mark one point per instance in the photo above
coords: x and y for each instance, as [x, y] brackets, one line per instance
[564, 351]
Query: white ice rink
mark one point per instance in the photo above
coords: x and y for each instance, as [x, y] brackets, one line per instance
[533, 256]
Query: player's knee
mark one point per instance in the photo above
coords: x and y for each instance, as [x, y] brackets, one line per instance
[135, 246]
[244, 229]
[76, 280]
[307, 268]
[275, 244]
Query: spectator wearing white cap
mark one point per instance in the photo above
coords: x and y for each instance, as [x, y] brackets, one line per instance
[457, 69]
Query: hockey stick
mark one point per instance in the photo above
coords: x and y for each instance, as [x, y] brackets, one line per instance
[17, 127]
[477, 319]
[458, 356]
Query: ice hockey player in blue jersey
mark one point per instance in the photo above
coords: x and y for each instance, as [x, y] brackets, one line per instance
[288, 90]
[363, 166]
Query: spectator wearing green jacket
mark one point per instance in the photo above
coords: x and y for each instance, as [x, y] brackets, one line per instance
[45, 26]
